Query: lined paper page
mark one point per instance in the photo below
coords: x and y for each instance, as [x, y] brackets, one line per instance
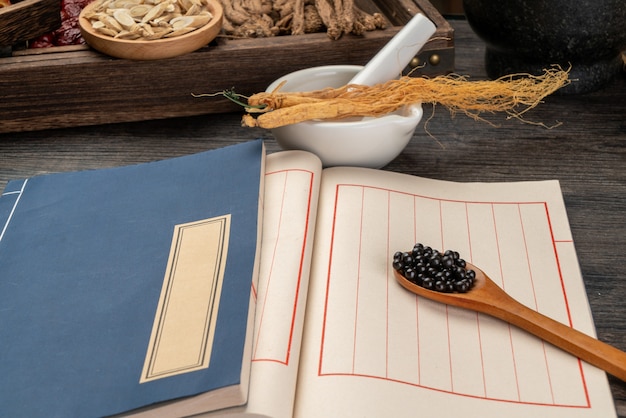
[368, 334]
[291, 192]
[279, 294]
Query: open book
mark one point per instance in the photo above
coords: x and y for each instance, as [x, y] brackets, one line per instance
[335, 335]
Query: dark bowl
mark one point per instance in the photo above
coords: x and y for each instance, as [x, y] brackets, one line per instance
[530, 35]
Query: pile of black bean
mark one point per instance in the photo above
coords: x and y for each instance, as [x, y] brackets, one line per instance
[433, 270]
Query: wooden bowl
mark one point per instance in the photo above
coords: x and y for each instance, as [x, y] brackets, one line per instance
[152, 49]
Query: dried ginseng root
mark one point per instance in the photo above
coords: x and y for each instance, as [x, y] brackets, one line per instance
[513, 95]
[264, 18]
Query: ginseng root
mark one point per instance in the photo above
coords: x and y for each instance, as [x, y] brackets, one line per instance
[262, 18]
[513, 95]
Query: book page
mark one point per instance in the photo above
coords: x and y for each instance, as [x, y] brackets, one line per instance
[374, 349]
[291, 192]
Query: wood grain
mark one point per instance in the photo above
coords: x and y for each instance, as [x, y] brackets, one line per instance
[83, 87]
[586, 153]
[28, 19]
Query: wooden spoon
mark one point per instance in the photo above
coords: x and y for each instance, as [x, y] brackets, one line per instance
[487, 297]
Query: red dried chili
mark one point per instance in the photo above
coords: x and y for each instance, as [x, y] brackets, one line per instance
[69, 31]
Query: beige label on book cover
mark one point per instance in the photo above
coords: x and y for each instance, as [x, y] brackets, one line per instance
[184, 324]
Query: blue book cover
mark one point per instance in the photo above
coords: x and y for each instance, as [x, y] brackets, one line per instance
[125, 287]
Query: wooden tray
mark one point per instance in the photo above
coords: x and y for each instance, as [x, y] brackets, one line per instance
[74, 86]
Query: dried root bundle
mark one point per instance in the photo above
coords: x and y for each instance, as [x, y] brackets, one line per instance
[513, 95]
[264, 18]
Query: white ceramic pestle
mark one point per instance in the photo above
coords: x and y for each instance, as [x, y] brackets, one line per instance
[389, 62]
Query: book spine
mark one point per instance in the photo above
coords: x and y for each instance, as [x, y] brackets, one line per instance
[9, 200]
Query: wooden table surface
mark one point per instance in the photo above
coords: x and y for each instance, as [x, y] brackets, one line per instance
[586, 152]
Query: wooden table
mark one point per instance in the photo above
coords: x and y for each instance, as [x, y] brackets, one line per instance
[587, 153]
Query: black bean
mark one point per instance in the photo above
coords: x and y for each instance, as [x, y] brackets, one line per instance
[450, 286]
[428, 283]
[435, 262]
[409, 273]
[427, 267]
[447, 261]
[419, 279]
[460, 273]
[461, 286]
[440, 285]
